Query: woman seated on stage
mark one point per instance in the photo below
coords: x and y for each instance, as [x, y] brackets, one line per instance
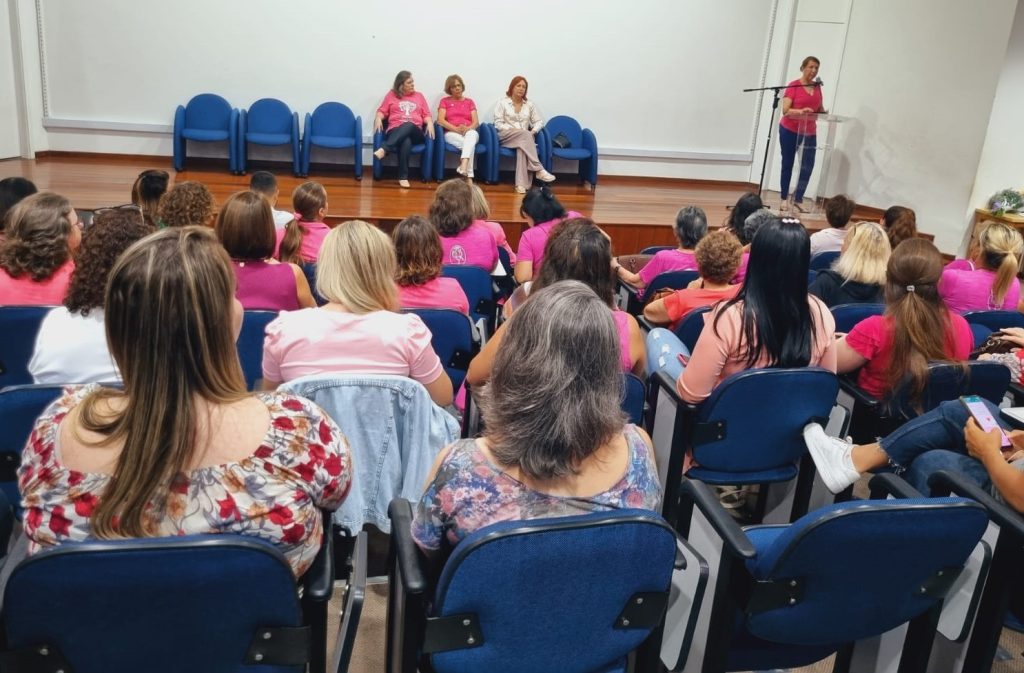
[900, 224]
[245, 227]
[555, 440]
[986, 281]
[517, 122]
[299, 242]
[691, 225]
[465, 241]
[71, 346]
[183, 449]
[187, 203]
[37, 250]
[457, 116]
[771, 322]
[359, 330]
[408, 118]
[858, 276]
[542, 212]
[420, 283]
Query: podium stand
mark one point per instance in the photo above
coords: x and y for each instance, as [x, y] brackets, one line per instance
[827, 128]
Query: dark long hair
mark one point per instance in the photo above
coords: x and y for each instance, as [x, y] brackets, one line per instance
[745, 206]
[777, 323]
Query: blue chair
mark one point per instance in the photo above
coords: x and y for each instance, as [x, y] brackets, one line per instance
[201, 603]
[651, 249]
[634, 400]
[534, 583]
[332, 126]
[848, 315]
[424, 149]
[451, 335]
[823, 260]
[19, 326]
[479, 289]
[250, 344]
[20, 406]
[787, 596]
[689, 328]
[980, 333]
[6, 525]
[632, 300]
[268, 122]
[582, 146]
[482, 156]
[995, 320]
[542, 149]
[207, 118]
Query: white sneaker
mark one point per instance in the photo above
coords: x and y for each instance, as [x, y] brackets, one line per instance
[544, 176]
[404, 184]
[832, 456]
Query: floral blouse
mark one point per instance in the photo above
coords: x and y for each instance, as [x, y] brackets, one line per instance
[301, 466]
[470, 492]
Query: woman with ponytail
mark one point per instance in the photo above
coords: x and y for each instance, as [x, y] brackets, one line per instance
[988, 279]
[299, 242]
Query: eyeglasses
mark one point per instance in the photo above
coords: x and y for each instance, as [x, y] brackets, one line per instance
[130, 207]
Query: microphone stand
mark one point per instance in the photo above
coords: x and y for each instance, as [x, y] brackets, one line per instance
[771, 124]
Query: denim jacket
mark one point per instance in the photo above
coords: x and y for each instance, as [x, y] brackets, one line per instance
[394, 432]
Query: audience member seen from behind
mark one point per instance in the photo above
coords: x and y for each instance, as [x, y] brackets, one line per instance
[72, 343]
[420, 283]
[465, 241]
[481, 213]
[36, 253]
[183, 449]
[299, 242]
[988, 280]
[900, 223]
[13, 190]
[245, 228]
[187, 203]
[771, 322]
[555, 441]
[718, 256]
[691, 226]
[408, 117]
[838, 211]
[358, 331]
[265, 184]
[858, 276]
[542, 212]
[746, 205]
[147, 191]
[457, 116]
[517, 122]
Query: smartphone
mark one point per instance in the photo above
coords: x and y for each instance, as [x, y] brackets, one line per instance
[977, 409]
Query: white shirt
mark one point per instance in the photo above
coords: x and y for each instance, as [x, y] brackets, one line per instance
[827, 240]
[72, 348]
[506, 117]
[282, 218]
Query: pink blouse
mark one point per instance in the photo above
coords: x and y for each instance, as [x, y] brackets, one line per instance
[312, 240]
[412, 108]
[23, 291]
[441, 292]
[473, 246]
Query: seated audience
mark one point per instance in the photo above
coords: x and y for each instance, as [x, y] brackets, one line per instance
[358, 331]
[838, 211]
[900, 223]
[147, 191]
[858, 276]
[245, 228]
[72, 343]
[36, 254]
[464, 241]
[420, 283]
[718, 256]
[750, 226]
[542, 212]
[299, 242]
[555, 441]
[183, 449]
[265, 184]
[691, 226]
[13, 190]
[988, 280]
[748, 206]
[187, 203]
[482, 211]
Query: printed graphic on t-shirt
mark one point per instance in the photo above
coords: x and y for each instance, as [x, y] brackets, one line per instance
[407, 107]
[457, 255]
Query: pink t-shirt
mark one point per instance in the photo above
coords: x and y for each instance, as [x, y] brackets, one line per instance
[323, 341]
[458, 112]
[872, 339]
[621, 319]
[265, 287]
[498, 232]
[971, 290]
[668, 260]
[801, 99]
[397, 111]
[473, 246]
[312, 240]
[439, 292]
[533, 240]
[23, 291]
[741, 270]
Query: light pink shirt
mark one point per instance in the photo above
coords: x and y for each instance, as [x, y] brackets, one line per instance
[23, 291]
[473, 246]
[312, 240]
[323, 341]
[668, 260]
[827, 240]
[498, 232]
[412, 108]
[966, 290]
[533, 240]
[441, 292]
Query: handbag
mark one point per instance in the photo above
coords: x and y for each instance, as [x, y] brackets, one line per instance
[561, 141]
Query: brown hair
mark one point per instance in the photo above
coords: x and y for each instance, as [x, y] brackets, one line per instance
[418, 249]
[516, 80]
[308, 200]
[452, 210]
[147, 191]
[900, 223]
[187, 203]
[718, 255]
[808, 59]
[245, 226]
[839, 210]
[399, 81]
[451, 81]
[36, 244]
[110, 234]
[577, 249]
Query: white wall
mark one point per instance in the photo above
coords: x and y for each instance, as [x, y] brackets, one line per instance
[10, 135]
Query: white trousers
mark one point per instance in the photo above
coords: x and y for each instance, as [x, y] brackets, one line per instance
[466, 143]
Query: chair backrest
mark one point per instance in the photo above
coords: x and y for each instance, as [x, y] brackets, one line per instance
[20, 406]
[823, 260]
[675, 280]
[250, 344]
[858, 569]
[269, 115]
[634, 398]
[451, 335]
[995, 320]
[208, 111]
[848, 315]
[948, 381]
[567, 125]
[334, 120]
[19, 326]
[692, 324]
[159, 604]
[651, 249]
[479, 289]
[567, 609]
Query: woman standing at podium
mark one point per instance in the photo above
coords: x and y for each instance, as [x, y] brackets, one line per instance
[802, 96]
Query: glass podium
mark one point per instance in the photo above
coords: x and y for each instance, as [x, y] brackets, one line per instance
[825, 127]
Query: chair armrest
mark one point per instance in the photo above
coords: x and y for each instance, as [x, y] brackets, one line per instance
[239, 120]
[295, 125]
[1000, 514]
[590, 142]
[307, 127]
[355, 592]
[378, 139]
[544, 147]
[407, 555]
[357, 132]
[733, 537]
[645, 324]
[179, 119]
[318, 582]
[858, 394]
[633, 304]
[885, 484]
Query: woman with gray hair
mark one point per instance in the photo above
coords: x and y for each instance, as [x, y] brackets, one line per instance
[751, 223]
[555, 441]
[691, 226]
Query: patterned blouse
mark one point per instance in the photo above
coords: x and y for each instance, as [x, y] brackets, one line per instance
[470, 492]
[302, 465]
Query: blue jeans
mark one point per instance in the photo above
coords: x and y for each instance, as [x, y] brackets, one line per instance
[663, 351]
[789, 141]
[402, 139]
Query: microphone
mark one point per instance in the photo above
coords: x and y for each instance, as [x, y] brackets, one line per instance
[818, 82]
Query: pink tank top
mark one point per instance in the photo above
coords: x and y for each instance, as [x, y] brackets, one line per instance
[263, 286]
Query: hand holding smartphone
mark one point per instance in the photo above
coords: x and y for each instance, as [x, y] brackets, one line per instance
[977, 409]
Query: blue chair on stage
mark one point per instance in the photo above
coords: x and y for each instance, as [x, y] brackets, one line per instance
[482, 156]
[332, 126]
[250, 344]
[19, 326]
[207, 118]
[425, 150]
[582, 146]
[268, 122]
[20, 406]
[848, 315]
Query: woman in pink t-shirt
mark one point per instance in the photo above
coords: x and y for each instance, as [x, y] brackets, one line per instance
[359, 330]
[802, 97]
[691, 225]
[542, 212]
[42, 235]
[481, 213]
[420, 283]
[988, 280]
[457, 116]
[408, 117]
[299, 242]
[465, 242]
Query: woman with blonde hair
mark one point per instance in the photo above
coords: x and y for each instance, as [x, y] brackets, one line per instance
[988, 280]
[858, 276]
[183, 449]
[359, 330]
[36, 254]
[481, 213]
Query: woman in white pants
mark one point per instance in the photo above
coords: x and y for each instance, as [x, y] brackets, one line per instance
[457, 116]
[517, 122]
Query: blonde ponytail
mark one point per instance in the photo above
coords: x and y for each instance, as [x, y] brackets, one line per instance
[1001, 248]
